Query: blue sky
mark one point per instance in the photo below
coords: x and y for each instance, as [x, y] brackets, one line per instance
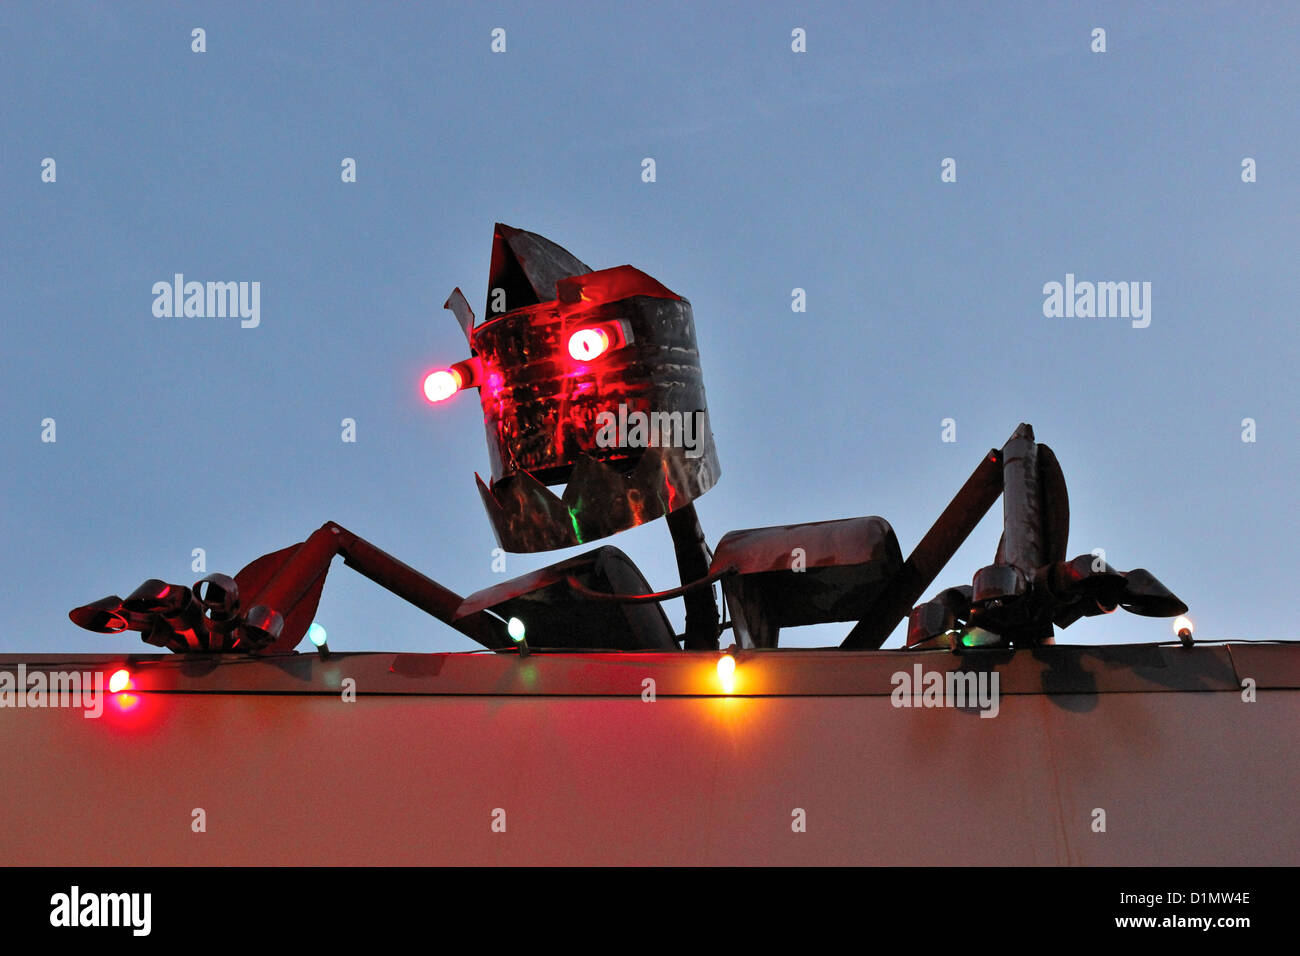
[775, 170]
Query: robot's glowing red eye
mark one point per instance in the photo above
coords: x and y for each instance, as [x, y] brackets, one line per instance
[442, 384]
[587, 344]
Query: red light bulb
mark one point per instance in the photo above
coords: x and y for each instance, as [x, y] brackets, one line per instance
[442, 384]
[119, 681]
[587, 344]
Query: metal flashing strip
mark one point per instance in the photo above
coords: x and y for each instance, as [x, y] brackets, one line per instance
[1057, 669]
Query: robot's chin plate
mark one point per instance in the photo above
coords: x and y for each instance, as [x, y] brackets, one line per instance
[598, 500]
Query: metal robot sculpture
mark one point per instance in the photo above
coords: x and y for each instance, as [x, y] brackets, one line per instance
[591, 380]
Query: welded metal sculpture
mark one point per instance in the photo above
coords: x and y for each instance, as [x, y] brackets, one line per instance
[591, 379]
[543, 398]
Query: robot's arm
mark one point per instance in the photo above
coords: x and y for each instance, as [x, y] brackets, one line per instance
[269, 605]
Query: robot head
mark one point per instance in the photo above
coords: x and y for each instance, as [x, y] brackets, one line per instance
[589, 380]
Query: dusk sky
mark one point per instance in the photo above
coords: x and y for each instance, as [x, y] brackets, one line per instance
[775, 170]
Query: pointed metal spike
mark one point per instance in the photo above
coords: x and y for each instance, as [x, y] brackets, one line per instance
[496, 515]
[527, 267]
[459, 307]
